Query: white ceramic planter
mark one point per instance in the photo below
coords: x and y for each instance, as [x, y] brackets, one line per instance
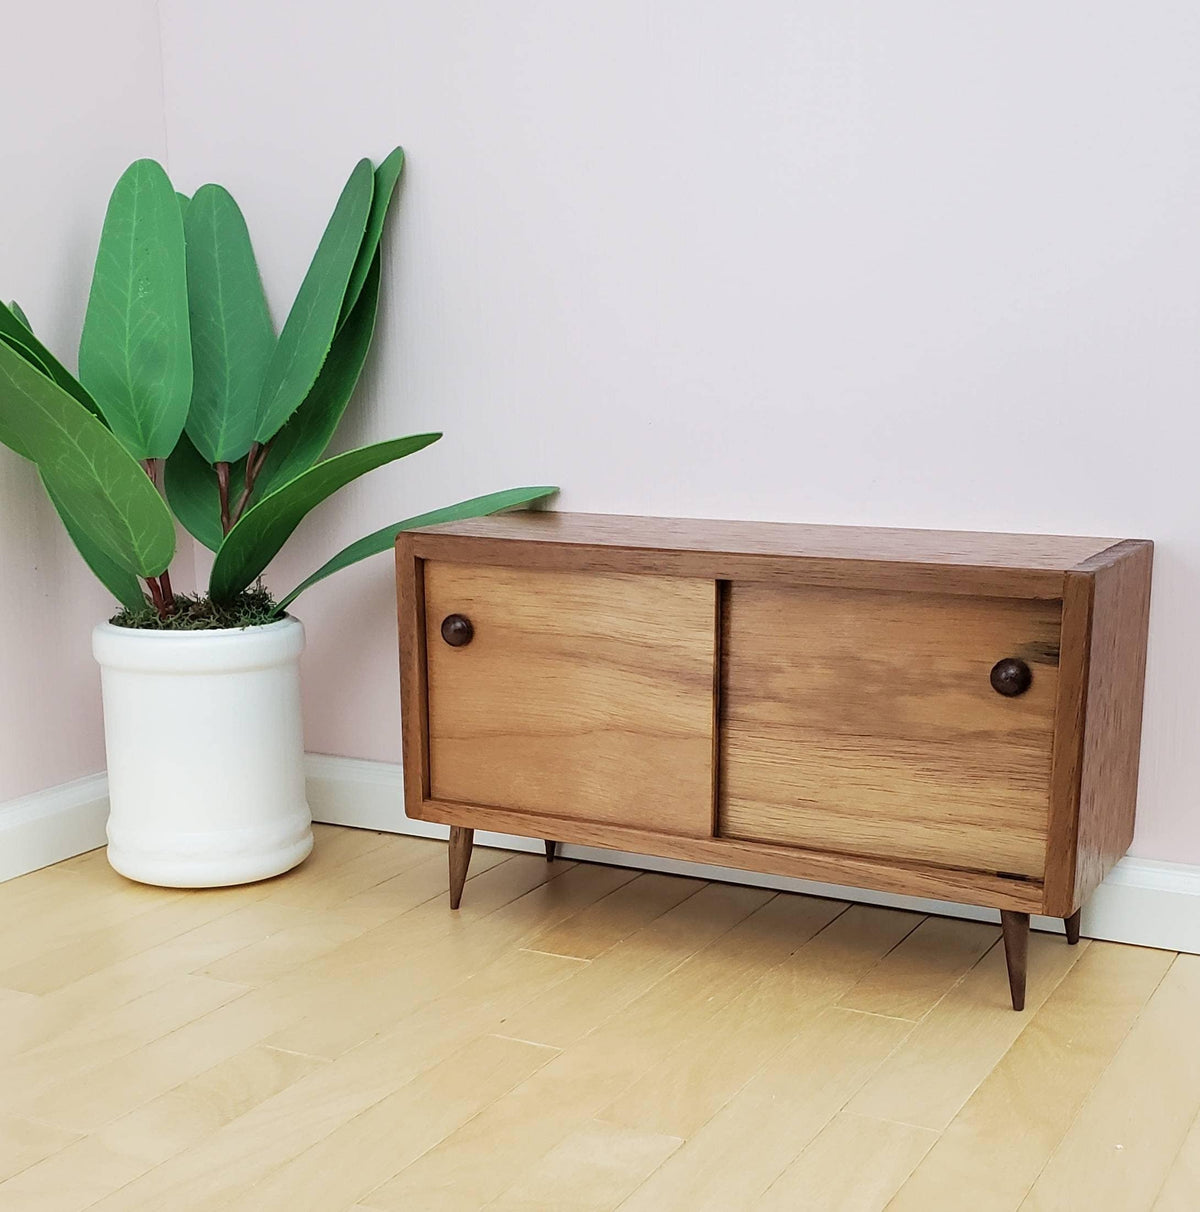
[205, 753]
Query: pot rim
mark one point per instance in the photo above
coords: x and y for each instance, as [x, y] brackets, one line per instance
[189, 632]
[206, 651]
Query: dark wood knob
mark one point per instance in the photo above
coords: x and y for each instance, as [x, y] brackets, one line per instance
[1011, 677]
[457, 630]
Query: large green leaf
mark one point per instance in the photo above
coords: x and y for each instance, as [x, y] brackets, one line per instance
[191, 487]
[108, 495]
[309, 329]
[135, 356]
[264, 528]
[302, 441]
[385, 539]
[232, 337]
[17, 326]
[120, 582]
[26, 351]
[386, 176]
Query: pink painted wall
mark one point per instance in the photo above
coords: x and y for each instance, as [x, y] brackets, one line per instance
[932, 264]
[80, 97]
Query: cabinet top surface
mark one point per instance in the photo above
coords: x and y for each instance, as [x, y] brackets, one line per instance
[1049, 553]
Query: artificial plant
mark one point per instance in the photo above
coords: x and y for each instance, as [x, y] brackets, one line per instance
[187, 398]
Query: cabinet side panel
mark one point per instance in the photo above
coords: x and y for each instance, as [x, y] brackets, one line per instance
[1062, 835]
[414, 716]
[1113, 717]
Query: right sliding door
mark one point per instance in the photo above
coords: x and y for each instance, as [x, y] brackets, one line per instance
[867, 723]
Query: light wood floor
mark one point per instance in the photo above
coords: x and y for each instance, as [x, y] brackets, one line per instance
[576, 1037]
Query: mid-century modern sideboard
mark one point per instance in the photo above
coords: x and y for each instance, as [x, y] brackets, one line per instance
[940, 714]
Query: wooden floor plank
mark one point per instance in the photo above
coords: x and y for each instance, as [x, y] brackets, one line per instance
[1002, 1138]
[958, 1042]
[1181, 1190]
[622, 913]
[187, 1113]
[592, 1170]
[371, 1147]
[613, 980]
[403, 965]
[910, 981]
[744, 1148]
[677, 1096]
[1119, 1150]
[24, 1142]
[486, 1156]
[854, 1165]
[244, 1151]
[577, 1036]
[110, 1037]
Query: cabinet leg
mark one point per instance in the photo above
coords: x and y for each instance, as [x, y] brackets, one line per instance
[1072, 925]
[1016, 953]
[461, 841]
[551, 850]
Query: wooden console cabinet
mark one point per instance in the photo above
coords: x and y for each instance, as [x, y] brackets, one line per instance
[942, 714]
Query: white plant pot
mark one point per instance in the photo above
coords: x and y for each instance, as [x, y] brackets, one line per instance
[205, 753]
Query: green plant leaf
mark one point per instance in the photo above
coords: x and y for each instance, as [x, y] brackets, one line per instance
[27, 353]
[184, 202]
[195, 499]
[303, 440]
[263, 529]
[15, 308]
[135, 356]
[232, 337]
[17, 327]
[386, 176]
[108, 495]
[119, 581]
[385, 539]
[309, 329]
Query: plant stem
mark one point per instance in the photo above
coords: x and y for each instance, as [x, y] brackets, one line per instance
[254, 464]
[223, 488]
[168, 594]
[156, 596]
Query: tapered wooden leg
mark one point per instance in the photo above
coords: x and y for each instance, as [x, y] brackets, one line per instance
[1016, 952]
[461, 841]
[551, 850]
[1072, 925]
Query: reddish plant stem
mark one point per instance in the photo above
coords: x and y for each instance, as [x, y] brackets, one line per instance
[156, 596]
[168, 594]
[223, 488]
[254, 464]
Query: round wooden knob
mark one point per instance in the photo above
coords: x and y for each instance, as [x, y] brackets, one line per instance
[1011, 677]
[457, 630]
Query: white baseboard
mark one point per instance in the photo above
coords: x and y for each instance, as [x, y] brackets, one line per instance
[1149, 903]
[49, 826]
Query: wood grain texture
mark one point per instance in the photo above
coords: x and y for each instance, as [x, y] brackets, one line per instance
[865, 723]
[582, 695]
[1113, 724]
[790, 540]
[707, 1013]
[1062, 831]
[1121, 1145]
[913, 879]
[414, 683]
[1002, 1138]
[1106, 613]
